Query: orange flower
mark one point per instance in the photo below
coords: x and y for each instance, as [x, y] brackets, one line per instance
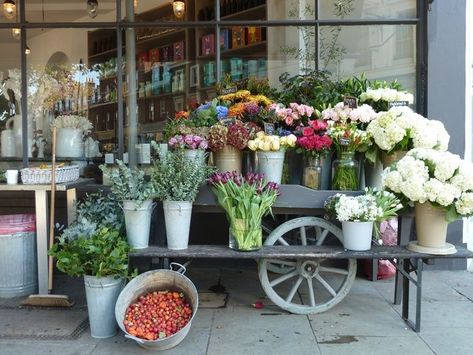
[182, 114]
[236, 110]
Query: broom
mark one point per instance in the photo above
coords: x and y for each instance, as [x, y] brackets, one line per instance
[50, 300]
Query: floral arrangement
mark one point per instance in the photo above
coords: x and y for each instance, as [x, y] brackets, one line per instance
[73, 121]
[402, 129]
[294, 115]
[244, 96]
[343, 114]
[373, 206]
[348, 137]
[314, 139]
[427, 175]
[379, 98]
[188, 141]
[267, 143]
[236, 135]
[246, 200]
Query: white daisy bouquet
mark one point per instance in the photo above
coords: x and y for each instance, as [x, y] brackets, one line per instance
[380, 98]
[441, 178]
[400, 128]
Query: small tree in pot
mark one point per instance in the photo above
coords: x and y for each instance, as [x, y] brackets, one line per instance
[176, 180]
[131, 187]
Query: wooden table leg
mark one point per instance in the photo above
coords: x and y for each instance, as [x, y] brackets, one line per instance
[41, 206]
[71, 205]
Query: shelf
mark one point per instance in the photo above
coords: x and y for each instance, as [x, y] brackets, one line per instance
[161, 37]
[103, 54]
[48, 159]
[258, 12]
[102, 135]
[248, 51]
[103, 104]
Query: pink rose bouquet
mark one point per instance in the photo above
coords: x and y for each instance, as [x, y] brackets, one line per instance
[188, 141]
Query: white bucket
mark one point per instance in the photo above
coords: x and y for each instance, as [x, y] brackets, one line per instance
[177, 215]
[357, 235]
[102, 294]
[138, 222]
[271, 165]
[69, 143]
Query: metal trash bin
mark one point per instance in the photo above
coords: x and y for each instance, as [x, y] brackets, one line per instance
[18, 260]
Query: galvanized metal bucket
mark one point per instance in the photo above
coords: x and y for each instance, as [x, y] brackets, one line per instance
[177, 215]
[158, 280]
[102, 294]
[138, 222]
[271, 164]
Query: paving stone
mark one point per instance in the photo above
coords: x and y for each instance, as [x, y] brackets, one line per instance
[458, 341]
[386, 345]
[24, 347]
[250, 331]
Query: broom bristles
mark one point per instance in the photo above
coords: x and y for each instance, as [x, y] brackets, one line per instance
[48, 301]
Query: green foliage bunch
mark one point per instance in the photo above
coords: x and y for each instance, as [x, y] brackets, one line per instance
[105, 253]
[177, 177]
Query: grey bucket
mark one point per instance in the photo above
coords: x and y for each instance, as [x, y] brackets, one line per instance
[18, 264]
[157, 280]
[138, 222]
[102, 294]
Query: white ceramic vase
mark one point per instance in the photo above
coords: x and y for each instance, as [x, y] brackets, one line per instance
[70, 143]
[357, 235]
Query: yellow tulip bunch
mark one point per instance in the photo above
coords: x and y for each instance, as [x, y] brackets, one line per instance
[267, 143]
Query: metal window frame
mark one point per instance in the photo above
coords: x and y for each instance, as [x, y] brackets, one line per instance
[420, 23]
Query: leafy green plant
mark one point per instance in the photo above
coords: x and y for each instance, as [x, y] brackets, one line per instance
[128, 184]
[105, 253]
[177, 177]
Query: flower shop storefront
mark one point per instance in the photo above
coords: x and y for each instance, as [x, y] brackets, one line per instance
[263, 111]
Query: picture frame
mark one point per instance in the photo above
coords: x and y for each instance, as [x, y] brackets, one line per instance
[194, 76]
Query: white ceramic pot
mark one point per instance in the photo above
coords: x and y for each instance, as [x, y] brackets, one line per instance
[138, 222]
[177, 215]
[357, 235]
[8, 144]
[70, 143]
[271, 165]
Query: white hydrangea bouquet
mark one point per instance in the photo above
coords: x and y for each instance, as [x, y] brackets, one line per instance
[380, 98]
[401, 129]
[73, 121]
[441, 178]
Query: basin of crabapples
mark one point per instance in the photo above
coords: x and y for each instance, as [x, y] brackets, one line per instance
[157, 315]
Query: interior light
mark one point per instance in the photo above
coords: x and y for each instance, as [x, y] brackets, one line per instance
[92, 8]
[179, 8]
[27, 50]
[16, 33]
[9, 9]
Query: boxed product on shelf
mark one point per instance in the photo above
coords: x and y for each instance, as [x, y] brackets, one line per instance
[166, 53]
[236, 68]
[225, 39]
[154, 56]
[252, 67]
[208, 44]
[238, 37]
[178, 50]
[224, 67]
[209, 74]
[142, 60]
[262, 70]
[253, 35]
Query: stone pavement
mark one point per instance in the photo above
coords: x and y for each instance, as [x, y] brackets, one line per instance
[365, 322]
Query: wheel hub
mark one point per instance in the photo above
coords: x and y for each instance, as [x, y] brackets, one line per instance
[309, 269]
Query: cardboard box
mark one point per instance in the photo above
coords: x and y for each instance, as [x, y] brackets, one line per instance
[154, 56]
[253, 35]
[208, 44]
[238, 37]
[179, 50]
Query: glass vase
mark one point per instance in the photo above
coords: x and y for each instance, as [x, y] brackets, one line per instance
[345, 172]
[244, 238]
[312, 174]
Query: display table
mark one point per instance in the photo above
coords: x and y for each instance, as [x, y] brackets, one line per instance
[42, 219]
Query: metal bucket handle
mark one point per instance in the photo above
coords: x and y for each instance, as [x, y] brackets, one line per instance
[153, 206]
[138, 340]
[182, 269]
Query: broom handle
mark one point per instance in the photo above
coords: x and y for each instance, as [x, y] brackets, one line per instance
[51, 212]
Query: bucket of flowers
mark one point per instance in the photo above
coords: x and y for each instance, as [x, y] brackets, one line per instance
[194, 146]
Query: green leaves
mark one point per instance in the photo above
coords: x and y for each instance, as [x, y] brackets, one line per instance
[103, 254]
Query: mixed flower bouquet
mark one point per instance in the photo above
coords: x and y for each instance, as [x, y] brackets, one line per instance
[293, 116]
[313, 139]
[246, 200]
[402, 129]
[427, 175]
[236, 135]
[188, 141]
[380, 98]
[73, 121]
[267, 143]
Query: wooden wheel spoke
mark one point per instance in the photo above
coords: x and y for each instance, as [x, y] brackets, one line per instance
[294, 289]
[333, 270]
[321, 239]
[326, 285]
[282, 262]
[311, 292]
[283, 241]
[303, 236]
[283, 278]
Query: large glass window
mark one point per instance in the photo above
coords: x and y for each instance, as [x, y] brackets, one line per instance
[126, 66]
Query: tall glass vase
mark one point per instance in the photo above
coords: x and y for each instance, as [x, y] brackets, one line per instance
[244, 237]
[345, 172]
[312, 174]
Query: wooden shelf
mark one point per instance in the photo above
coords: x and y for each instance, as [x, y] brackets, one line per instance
[102, 135]
[173, 35]
[253, 13]
[103, 104]
[249, 51]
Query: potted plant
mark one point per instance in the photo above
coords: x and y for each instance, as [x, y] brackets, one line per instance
[194, 146]
[102, 258]
[246, 200]
[440, 185]
[400, 129]
[314, 144]
[136, 194]
[71, 130]
[176, 181]
[358, 215]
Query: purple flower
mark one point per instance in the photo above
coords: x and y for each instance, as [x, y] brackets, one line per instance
[189, 139]
[252, 108]
[172, 142]
[204, 106]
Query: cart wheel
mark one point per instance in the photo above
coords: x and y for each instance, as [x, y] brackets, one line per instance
[306, 286]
